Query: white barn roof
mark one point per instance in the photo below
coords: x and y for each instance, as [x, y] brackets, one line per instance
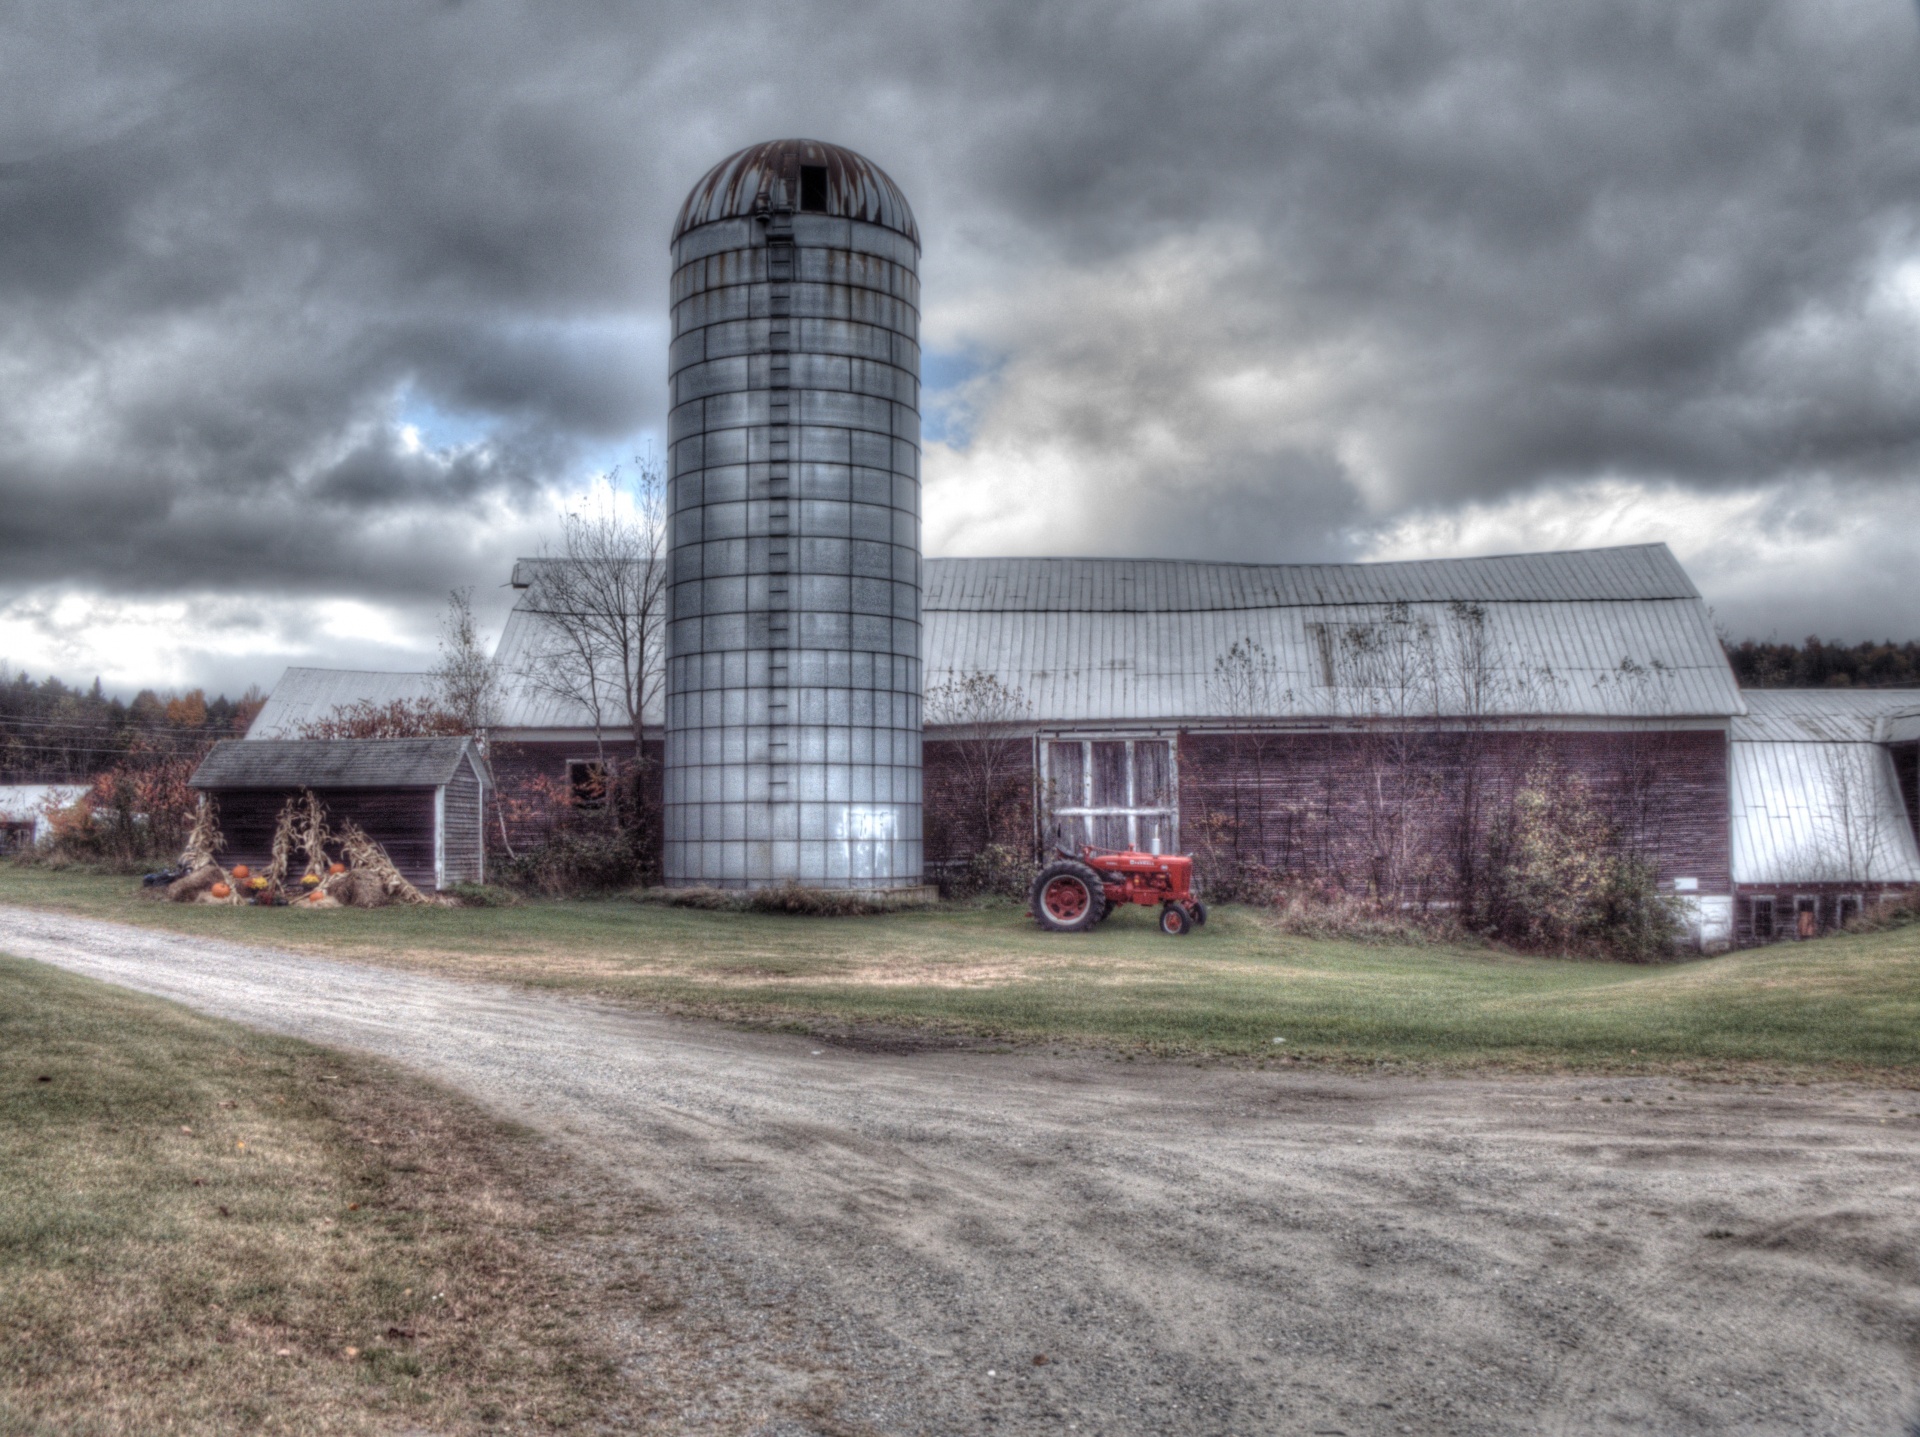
[305, 696]
[1814, 795]
[1588, 633]
[1601, 633]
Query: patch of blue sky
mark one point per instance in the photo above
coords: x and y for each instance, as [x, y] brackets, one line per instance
[950, 386]
[440, 428]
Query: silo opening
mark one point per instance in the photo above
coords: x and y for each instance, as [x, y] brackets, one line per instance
[813, 188]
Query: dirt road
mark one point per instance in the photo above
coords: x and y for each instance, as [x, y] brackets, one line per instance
[1191, 1250]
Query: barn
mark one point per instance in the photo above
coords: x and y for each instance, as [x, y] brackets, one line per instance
[1825, 807]
[1349, 724]
[421, 799]
[1345, 724]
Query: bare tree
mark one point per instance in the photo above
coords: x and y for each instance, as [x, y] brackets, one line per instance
[602, 603]
[980, 712]
[466, 683]
[1389, 674]
[1852, 832]
[1247, 685]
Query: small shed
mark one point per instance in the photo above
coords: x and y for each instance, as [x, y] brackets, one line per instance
[421, 799]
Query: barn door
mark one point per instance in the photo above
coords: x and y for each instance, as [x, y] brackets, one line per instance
[1111, 793]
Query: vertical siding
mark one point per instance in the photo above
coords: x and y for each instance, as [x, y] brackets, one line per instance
[465, 862]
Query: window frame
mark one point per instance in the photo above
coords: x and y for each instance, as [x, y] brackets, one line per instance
[574, 785]
[1047, 812]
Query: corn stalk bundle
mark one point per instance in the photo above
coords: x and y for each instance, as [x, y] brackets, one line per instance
[314, 836]
[286, 838]
[366, 856]
[205, 840]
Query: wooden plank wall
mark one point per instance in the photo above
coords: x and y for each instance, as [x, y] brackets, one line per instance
[1299, 801]
[530, 775]
[400, 820]
[953, 815]
[465, 860]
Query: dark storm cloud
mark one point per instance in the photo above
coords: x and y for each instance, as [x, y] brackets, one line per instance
[1310, 269]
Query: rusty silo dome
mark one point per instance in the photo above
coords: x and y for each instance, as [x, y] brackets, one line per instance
[805, 175]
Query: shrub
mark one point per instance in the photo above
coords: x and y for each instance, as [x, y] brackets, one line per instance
[134, 815]
[997, 871]
[1629, 917]
[571, 863]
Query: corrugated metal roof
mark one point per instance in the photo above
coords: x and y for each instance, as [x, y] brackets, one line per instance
[305, 696]
[1605, 633]
[1806, 811]
[528, 705]
[1826, 715]
[1164, 586]
[332, 763]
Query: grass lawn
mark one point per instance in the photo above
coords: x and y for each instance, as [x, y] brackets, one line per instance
[207, 1230]
[1843, 1006]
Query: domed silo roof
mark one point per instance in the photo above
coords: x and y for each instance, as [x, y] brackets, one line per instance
[770, 175]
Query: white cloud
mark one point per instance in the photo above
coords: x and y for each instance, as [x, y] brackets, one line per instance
[1844, 553]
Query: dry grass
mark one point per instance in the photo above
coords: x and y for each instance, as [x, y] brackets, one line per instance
[205, 1230]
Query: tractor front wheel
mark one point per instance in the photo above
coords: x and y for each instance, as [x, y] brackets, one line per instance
[1068, 897]
[1199, 911]
[1174, 921]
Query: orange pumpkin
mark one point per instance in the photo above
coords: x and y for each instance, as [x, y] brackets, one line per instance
[240, 870]
[220, 890]
[336, 868]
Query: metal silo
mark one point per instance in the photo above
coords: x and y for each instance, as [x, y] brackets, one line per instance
[793, 649]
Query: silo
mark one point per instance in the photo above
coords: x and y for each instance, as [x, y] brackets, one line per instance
[793, 641]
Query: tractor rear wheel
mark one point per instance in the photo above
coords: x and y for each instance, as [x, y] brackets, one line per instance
[1174, 921]
[1068, 897]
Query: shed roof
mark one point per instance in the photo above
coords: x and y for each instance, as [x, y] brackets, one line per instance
[333, 763]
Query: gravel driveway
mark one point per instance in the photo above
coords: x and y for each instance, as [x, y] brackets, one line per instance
[1192, 1250]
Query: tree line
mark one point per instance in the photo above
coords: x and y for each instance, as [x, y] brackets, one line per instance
[1817, 664]
[51, 732]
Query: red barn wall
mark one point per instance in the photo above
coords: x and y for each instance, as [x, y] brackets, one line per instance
[531, 779]
[1298, 803]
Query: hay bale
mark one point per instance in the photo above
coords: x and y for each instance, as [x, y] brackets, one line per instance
[190, 887]
[365, 889]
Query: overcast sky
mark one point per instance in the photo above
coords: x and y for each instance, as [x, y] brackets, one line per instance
[310, 312]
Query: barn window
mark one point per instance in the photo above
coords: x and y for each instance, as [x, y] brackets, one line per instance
[586, 783]
[1763, 920]
[1111, 793]
[813, 188]
[1846, 910]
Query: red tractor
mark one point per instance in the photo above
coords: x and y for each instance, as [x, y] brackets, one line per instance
[1073, 894]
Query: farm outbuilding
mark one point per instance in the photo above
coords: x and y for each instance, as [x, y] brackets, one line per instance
[1825, 807]
[421, 799]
